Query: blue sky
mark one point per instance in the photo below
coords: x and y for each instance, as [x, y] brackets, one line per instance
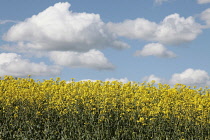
[138, 40]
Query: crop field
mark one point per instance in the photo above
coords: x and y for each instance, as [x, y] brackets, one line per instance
[85, 110]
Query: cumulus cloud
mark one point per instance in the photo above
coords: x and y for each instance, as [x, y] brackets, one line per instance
[205, 15]
[13, 64]
[173, 30]
[123, 80]
[203, 1]
[155, 49]
[191, 77]
[58, 29]
[176, 30]
[91, 59]
[139, 28]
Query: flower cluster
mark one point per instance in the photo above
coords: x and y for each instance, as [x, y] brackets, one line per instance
[103, 110]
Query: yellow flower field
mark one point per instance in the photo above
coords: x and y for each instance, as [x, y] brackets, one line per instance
[56, 109]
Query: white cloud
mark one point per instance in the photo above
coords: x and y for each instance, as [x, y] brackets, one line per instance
[155, 49]
[173, 30]
[58, 29]
[191, 77]
[203, 1]
[160, 1]
[151, 78]
[176, 30]
[205, 15]
[13, 64]
[139, 28]
[91, 59]
[123, 80]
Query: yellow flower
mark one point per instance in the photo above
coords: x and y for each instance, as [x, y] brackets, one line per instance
[141, 120]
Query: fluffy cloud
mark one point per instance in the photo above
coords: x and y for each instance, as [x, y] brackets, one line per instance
[191, 77]
[176, 30]
[70, 38]
[173, 30]
[13, 64]
[91, 59]
[58, 29]
[139, 28]
[205, 15]
[203, 1]
[123, 80]
[155, 49]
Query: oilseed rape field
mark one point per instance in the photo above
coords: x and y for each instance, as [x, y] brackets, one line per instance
[85, 110]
